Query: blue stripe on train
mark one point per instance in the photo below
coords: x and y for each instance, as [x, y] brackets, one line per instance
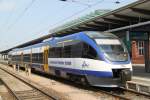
[79, 72]
[85, 72]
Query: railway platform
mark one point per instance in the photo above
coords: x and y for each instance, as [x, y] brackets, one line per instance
[140, 80]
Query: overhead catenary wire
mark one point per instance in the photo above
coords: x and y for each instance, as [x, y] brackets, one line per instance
[76, 13]
[66, 18]
[21, 15]
[9, 16]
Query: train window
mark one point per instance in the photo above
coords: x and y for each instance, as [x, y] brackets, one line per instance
[9, 56]
[17, 57]
[40, 60]
[37, 58]
[33, 57]
[51, 52]
[26, 57]
[13, 58]
[88, 52]
[55, 52]
[76, 50]
[66, 52]
[58, 52]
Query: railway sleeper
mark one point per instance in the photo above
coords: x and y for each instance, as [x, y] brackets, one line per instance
[30, 94]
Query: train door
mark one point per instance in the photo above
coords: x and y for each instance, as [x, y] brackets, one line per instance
[45, 59]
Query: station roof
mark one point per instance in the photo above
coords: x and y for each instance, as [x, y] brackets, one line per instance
[79, 20]
[135, 13]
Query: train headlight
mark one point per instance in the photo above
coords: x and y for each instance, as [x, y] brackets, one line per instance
[125, 55]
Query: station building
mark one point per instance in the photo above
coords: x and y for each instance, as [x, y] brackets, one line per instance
[135, 43]
[138, 49]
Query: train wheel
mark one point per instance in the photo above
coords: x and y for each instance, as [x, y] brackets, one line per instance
[84, 81]
[71, 77]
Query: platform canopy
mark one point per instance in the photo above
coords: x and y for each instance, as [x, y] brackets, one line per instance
[132, 14]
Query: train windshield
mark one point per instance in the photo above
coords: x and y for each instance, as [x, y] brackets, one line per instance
[113, 49]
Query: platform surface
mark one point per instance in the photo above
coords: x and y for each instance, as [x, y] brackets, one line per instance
[140, 81]
[139, 74]
[139, 71]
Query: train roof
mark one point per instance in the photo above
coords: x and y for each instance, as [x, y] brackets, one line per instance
[91, 34]
[98, 34]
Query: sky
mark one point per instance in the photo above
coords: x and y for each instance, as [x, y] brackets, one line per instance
[25, 20]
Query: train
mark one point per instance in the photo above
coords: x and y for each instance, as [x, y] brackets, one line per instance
[90, 57]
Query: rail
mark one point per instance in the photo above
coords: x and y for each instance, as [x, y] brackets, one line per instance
[10, 90]
[34, 85]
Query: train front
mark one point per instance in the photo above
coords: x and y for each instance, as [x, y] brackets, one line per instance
[114, 60]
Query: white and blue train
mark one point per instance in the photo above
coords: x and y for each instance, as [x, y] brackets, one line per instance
[96, 58]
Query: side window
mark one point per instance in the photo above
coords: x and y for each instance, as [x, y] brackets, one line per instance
[66, 51]
[13, 58]
[40, 57]
[33, 57]
[76, 50]
[55, 52]
[26, 57]
[58, 52]
[89, 52]
[51, 52]
[18, 57]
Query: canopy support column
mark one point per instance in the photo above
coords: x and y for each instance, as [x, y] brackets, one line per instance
[147, 53]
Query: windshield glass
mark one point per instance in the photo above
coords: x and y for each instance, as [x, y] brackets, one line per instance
[113, 49]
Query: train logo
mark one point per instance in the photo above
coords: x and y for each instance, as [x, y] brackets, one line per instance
[84, 64]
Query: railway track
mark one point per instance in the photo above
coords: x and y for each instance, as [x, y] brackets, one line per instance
[27, 95]
[117, 93]
[37, 93]
[124, 94]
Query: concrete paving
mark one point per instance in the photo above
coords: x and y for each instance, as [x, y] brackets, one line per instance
[140, 80]
[139, 71]
[139, 75]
